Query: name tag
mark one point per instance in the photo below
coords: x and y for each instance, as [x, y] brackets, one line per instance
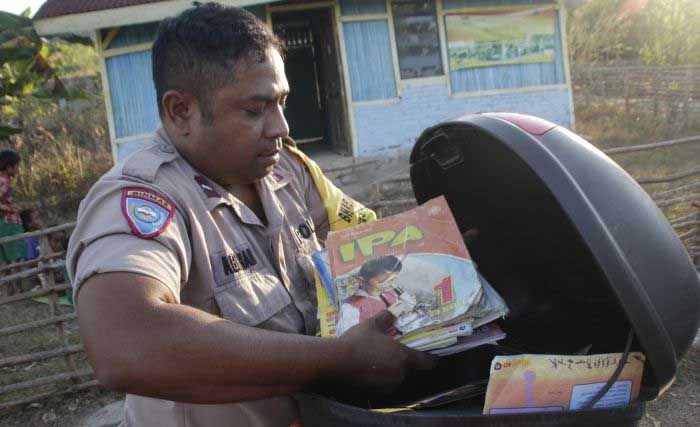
[233, 265]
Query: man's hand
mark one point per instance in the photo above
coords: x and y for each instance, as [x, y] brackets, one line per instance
[141, 341]
[377, 361]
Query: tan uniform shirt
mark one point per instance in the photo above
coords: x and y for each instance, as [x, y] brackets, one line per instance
[212, 252]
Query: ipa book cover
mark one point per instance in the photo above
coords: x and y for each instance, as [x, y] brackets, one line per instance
[415, 264]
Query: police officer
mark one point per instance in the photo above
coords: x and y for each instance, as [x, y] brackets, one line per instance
[189, 260]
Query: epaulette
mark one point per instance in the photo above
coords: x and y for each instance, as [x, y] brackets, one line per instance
[144, 164]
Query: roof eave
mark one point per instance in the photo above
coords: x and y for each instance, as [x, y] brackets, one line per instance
[150, 12]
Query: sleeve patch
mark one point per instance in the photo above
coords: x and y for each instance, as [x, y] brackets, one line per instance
[147, 212]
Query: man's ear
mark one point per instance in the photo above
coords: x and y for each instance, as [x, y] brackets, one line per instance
[180, 108]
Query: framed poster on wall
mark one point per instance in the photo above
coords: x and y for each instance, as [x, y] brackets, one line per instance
[500, 38]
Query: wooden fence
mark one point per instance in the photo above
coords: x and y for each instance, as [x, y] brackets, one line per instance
[65, 345]
[680, 202]
[673, 91]
[72, 373]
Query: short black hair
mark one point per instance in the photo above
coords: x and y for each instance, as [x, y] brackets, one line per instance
[377, 266]
[197, 50]
[26, 216]
[8, 157]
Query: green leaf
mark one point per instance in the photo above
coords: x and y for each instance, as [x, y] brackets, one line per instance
[6, 131]
[10, 21]
[44, 52]
[74, 38]
[28, 88]
[16, 54]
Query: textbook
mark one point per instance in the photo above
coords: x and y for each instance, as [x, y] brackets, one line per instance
[530, 383]
[414, 264]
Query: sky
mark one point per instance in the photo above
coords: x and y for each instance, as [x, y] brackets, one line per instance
[18, 6]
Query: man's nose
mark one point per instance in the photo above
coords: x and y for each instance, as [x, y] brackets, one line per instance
[277, 126]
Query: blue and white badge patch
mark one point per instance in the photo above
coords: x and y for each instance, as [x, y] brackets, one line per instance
[147, 212]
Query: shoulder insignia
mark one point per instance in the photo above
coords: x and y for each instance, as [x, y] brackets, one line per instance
[206, 186]
[148, 212]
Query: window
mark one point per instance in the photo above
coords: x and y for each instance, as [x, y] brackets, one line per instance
[368, 48]
[417, 40]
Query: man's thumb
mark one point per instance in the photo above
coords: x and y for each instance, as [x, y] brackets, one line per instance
[384, 319]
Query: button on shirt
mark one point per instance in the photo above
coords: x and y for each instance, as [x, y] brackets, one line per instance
[214, 254]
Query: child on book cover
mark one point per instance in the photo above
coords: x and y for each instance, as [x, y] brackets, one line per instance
[376, 292]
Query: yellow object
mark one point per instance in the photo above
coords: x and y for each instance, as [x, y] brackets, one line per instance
[530, 383]
[343, 212]
[392, 410]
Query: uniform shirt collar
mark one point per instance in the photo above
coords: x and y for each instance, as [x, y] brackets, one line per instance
[278, 178]
[215, 195]
[163, 142]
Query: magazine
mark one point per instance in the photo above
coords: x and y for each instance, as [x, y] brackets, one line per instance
[490, 307]
[457, 394]
[557, 383]
[415, 264]
[485, 334]
[323, 268]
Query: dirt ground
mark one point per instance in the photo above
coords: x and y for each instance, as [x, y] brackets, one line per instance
[680, 405]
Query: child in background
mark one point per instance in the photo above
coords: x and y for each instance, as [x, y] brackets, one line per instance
[10, 222]
[58, 242]
[31, 222]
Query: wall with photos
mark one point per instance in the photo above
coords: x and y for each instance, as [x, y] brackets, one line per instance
[413, 63]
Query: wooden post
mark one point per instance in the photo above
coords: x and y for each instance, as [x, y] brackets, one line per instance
[55, 309]
[626, 89]
[696, 258]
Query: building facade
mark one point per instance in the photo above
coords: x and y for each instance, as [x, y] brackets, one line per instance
[367, 76]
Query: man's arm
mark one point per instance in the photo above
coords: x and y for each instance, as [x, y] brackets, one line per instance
[140, 341]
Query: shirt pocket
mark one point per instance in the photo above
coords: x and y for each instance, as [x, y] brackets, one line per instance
[252, 299]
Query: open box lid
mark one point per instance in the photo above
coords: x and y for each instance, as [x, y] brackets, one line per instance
[576, 247]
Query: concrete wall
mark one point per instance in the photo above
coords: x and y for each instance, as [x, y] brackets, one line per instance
[383, 128]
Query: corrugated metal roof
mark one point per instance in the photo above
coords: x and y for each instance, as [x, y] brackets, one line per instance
[54, 8]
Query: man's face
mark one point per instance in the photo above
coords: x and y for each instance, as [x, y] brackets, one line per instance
[240, 142]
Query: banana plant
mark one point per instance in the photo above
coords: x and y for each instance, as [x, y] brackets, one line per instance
[24, 65]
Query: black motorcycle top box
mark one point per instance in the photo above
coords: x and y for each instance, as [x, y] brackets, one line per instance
[576, 247]
[580, 253]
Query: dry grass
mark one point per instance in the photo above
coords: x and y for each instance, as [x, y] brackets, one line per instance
[606, 123]
[64, 149]
[41, 339]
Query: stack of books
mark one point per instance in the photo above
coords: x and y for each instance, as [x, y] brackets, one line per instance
[414, 264]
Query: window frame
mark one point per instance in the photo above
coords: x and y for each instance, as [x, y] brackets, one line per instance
[423, 80]
[388, 17]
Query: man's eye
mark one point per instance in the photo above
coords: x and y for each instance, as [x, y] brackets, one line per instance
[254, 113]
